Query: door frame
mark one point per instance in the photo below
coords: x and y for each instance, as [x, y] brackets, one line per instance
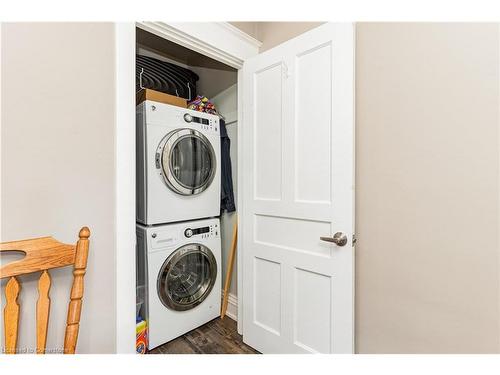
[222, 42]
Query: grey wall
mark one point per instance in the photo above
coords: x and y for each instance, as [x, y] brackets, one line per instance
[427, 188]
[57, 164]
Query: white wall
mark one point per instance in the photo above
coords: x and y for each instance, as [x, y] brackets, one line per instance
[226, 103]
[58, 155]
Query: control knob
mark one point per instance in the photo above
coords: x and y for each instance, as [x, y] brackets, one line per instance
[188, 117]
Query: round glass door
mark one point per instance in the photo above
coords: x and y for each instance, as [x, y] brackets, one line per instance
[187, 161]
[187, 277]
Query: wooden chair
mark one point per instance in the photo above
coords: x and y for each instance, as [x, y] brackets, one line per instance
[42, 254]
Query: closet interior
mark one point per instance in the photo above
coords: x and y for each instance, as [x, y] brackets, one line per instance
[187, 75]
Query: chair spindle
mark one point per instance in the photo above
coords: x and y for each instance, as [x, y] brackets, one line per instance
[11, 315]
[42, 312]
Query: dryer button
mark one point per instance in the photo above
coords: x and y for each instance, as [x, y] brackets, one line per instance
[188, 232]
[188, 117]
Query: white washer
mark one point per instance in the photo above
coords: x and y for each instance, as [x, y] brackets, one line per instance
[181, 267]
[178, 164]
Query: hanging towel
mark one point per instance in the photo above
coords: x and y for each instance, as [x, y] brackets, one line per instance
[227, 194]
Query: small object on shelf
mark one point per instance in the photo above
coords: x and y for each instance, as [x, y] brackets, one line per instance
[202, 104]
[161, 97]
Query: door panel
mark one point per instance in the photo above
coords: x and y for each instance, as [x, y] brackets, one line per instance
[312, 327]
[268, 133]
[313, 111]
[298, 165]
[300, 234]
[267, 291]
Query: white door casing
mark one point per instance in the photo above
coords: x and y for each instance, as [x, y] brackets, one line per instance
[298, 163]
[218, 40]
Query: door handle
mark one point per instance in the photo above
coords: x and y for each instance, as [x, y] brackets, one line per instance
[339, 239]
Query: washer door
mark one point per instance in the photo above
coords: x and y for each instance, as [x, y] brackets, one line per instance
[187, 161]
[187, 277]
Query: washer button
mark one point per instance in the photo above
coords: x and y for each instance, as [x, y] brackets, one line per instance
[188, 232]
[157, 160]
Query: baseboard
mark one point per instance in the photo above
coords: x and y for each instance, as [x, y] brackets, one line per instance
[232, 306]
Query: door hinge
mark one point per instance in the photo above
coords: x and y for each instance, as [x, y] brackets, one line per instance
[354, 239]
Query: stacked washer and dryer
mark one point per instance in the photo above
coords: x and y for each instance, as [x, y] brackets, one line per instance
[178, 230]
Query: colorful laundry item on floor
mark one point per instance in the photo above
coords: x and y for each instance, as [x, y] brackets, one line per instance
[141, 338]
[202, 104]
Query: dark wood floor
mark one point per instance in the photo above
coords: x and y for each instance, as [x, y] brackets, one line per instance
[215, 337]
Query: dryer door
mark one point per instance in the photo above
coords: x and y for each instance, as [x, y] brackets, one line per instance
[187, 161]
[187, 277]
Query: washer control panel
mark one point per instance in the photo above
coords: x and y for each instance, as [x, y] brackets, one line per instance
[202, 232]
[163, 239]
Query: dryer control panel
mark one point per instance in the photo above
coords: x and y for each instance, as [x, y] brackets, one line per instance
[202, 232]
[205, 123]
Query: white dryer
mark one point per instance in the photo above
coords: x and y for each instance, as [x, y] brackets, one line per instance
[178, 164]
[182, 270]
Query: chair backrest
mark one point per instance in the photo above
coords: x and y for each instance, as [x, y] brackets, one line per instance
[42, 254]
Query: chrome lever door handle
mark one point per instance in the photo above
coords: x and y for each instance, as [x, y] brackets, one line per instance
[339, 239]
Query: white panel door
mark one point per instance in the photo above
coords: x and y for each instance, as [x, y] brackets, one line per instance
[298, 143]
